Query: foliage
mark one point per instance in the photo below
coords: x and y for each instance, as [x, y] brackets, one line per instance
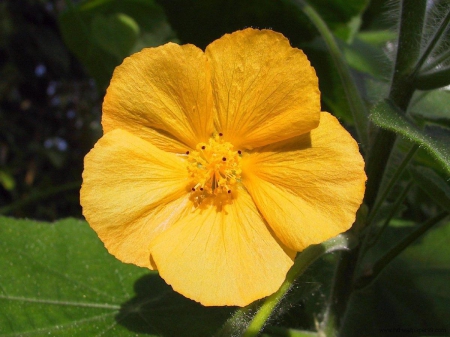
[55, 285]
[383, 69]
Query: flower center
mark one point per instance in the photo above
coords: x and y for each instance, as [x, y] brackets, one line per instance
[214, 168]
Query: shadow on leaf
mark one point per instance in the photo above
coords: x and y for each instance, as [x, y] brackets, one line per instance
[409, 298]
[157, 309]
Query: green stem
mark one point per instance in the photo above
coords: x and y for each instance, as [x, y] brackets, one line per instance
[237, 324]
[356, 103]
[392, 213]
[433, 79]
[408, 51]
[402, 89]
[398, 173]
[302, 262]
[438, 60]
[376, 163]
[330, 322]
[397, 249]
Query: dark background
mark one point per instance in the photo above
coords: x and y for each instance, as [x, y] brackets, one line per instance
[50, 103]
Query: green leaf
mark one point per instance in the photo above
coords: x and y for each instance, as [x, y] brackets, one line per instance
[412, 18]
[302, 262]
[201, 22]
[397, 249]
[341, 16]
[57, 279]
[432, 184]
[434, 139]
[333, 93]
[432, 106]
[116, 33]
[102, 32]
[411, 293]
[433, 79]
[368, 58]
[377, 38]
[77, 36]
[436, 44]
[356, 104]
[431, 271]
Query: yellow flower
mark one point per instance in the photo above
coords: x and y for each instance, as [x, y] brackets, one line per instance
[216, 167]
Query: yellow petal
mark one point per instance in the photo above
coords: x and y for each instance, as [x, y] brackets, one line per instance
[222, 257]
[308, 188]
[264, 90]
[130, 192]
[162, 95]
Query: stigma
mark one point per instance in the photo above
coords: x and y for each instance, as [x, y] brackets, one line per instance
[214, 169]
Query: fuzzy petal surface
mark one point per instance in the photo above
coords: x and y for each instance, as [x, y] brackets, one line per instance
[264, 90]
[131, 191]
[162, 95]
[222, 257]
[308, 188]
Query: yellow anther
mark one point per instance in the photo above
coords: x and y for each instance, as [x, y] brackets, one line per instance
[214, 168]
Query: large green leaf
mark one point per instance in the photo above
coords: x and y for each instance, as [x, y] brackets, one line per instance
[433, 138]
[411, 297]
[58, 280]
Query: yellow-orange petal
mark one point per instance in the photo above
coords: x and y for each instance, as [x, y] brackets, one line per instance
[222, 257]
[264, 90]
[308, 188]
[162, 95]
[131, 191]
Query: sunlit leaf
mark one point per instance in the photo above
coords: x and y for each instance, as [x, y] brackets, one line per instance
[57, 279]
[433, 138]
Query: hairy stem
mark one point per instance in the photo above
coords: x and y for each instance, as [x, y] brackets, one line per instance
[402, 89]
[302, 262]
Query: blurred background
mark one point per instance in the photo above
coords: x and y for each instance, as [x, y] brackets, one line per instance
[56, 59]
